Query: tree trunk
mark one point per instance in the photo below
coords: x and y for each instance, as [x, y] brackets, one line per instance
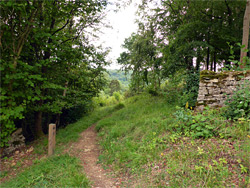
[207, 63]
[211, 65]
[208, 49]
[214, 61]
[38, 124]
[245, 36]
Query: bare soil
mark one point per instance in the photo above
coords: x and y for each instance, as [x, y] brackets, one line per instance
[88, 150]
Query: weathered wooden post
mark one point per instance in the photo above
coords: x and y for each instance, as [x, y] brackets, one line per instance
[52, 139]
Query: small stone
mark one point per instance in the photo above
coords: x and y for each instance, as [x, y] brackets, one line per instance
[215, 80]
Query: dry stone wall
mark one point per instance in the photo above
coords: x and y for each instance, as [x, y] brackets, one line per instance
[214, 88]
[16, 141]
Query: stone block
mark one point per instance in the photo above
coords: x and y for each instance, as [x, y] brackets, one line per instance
[215, 80]
[16, 141]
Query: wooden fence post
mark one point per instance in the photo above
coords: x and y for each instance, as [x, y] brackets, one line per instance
[52, 139]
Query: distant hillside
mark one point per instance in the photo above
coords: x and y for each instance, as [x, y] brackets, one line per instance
[120, 75]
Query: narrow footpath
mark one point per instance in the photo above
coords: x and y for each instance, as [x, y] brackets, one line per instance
[87, 150]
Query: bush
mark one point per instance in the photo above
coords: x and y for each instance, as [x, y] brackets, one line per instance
[200, 125]
[172, 89]
[238, 105]
[152, 91]
[190, 93]
[119, 106]
[117, 96]
[128, 94]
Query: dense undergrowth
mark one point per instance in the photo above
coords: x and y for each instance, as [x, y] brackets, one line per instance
[162, 146]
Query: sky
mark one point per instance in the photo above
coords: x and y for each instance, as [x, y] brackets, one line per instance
[123, 25]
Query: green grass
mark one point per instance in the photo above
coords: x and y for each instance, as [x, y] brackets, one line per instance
[141, 140]
[131, 136]
[57, 171]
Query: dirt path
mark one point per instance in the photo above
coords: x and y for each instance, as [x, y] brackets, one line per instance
[87, 150]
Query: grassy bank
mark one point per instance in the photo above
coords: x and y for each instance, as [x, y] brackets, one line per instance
[146, 141]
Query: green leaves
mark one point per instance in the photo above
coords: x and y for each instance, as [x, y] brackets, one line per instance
[238, 105]
[199, 125]
[45, 64]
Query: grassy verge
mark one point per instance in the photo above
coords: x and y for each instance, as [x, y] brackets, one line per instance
[146, 141]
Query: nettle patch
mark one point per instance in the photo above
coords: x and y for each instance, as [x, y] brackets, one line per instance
[198, 125]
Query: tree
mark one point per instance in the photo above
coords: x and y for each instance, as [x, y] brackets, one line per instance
[47, 63]
[141, 57]
[188, 30]
[245, 37]
[114, 86]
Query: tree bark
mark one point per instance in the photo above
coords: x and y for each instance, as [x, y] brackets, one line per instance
[208, 49]
[211, 65]
[214, 61]
[207, 62]
[245, 36]
[38, 124]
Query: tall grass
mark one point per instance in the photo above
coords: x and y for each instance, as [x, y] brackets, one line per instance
[129, 136]
[140, 140]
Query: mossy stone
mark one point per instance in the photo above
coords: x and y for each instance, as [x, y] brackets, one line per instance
[210, 75]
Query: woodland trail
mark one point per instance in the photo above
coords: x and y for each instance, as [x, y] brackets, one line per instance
[87, 150]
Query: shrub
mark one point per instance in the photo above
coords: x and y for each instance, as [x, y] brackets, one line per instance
[152, 91]
[238, 105]
[117, 96]
[128, 93]
[119, 106]
[200, 125]
[191, 89]
[172, 89]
